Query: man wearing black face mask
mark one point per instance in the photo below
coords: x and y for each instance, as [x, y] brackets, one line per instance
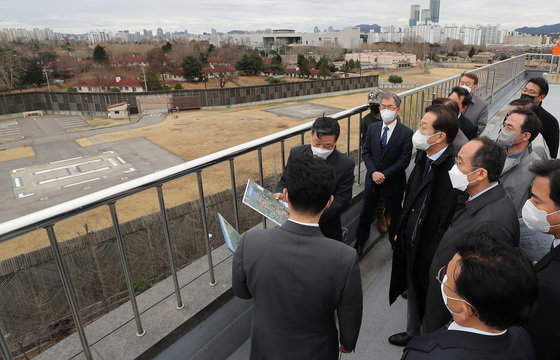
[374, 114]
[537, 89]
[519, 130]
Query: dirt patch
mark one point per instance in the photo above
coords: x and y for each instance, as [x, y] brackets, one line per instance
[84, 142]
[16, 153]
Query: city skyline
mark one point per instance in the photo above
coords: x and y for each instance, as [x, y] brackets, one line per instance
[251, 15]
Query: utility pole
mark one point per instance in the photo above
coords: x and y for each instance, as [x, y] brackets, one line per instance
[47, 76]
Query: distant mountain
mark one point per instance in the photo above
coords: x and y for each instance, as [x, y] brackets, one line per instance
[541, 30]
[364, 28]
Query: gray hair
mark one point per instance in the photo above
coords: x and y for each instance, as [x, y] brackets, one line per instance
[389, 95]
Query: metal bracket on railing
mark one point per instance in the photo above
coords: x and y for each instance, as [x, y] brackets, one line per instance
[205, 226]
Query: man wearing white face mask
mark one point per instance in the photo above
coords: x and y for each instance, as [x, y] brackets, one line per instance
[477, 112]
[542, 213]
[386, 152]
[324, 136]
[489, 288]
[484, 208]
[518, 131]
[429, 203]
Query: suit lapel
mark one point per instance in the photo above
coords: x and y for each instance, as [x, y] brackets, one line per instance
[553, 254]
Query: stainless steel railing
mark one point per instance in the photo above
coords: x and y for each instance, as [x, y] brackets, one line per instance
[491, 78]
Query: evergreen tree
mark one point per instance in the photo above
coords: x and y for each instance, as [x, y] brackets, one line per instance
[100, 55]
[192, 68]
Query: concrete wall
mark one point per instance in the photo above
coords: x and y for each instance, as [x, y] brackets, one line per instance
[96, 103]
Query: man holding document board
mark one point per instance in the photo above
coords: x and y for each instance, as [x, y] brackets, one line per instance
[324, 136]
[298, 279]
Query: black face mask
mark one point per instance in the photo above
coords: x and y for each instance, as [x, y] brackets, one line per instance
[374, 108]
[527, 96]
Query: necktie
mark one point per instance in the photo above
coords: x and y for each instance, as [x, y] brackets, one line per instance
[384, 137]
[427, 168]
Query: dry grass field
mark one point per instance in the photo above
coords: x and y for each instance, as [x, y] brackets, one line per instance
[193, 134]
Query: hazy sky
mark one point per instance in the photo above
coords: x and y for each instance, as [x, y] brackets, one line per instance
[302, 15]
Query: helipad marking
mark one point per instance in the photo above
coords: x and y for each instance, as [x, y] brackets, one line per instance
[113, 162]
[129, 170]
[24, 195]
[121, 160]
[67, 166]
[18, 182]
[72, 176]
[82, 182]
[16, 170]
[60, 161]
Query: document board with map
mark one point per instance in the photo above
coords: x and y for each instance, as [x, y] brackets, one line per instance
[263, 201]
[231, 235]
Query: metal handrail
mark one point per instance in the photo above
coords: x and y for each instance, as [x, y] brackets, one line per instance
[491, 78]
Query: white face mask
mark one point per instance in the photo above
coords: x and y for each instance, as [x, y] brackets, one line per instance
[420, 141]
[536, 219]
[445, 297]
[466, 88]
[459, 180]
[320, 152]
[388, 115]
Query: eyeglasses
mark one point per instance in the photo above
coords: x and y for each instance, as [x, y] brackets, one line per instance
[530, 91]
[390, 107]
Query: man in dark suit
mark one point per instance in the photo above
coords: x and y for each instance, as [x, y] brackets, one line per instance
[477, 111]
[536, 89]
[386, 153]
[485, 208]
[324, 136]
[299, 279]
[488, 287]
[464, 100]
[542, 213]
[429, 204]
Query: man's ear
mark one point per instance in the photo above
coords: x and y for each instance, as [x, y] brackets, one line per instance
[285, 192]
[329, 202]
[465, 312]
[482, 175]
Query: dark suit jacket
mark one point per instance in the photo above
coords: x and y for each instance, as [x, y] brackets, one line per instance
[445, 344]
[549, 130]
[544, 326]
[344, 172]
[298, 279]
[435, 212]
[492, 213]
[467, 127]
[477, 111]
[392, 161]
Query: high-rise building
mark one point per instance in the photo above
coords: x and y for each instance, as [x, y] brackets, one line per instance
[434, 11]
[425, 16]
[414, 15]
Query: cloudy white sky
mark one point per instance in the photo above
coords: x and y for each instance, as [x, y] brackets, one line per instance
[198, 16]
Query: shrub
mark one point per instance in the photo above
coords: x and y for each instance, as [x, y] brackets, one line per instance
[141, 284]
[178, 87]
[115, 90]
[71, 89]
[395, 79]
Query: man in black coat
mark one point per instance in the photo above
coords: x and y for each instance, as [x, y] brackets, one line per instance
[488, 287]
[537, 89]
[299, 280]
[429, 204]
[386, 153]
[542, 213]
[324, 136]
[485, 208]
[462, 97]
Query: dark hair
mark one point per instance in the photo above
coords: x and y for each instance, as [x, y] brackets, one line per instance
[445, 121]
[551, 170]
[326, 126]
[461, 91]
[310, 182]
[472, 76]
[452, 105]
[489, 156]
[531, 124]
[541, 83]
[497, 279]
[525, 103]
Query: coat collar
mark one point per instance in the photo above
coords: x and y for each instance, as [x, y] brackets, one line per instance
[488, 197]
[553, 254]
[302, 230]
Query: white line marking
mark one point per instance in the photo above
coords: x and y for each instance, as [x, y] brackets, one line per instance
[129, 170]
[72, 176]
[16, 170]
[113, 162]
[82, 182]
[18, 182]
[123, 161]
[67, 166]
[108, 152]
[24, 195]
[59, 161]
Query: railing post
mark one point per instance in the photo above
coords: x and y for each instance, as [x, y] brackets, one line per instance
[234, 193]
[302, 138]
[348, 141]
[205, 226]
[261, 177]
[492, 90]
[360, 147]
[69, 291]
[283, 155]
[126, 269]
[180, 304]
[6, 353]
